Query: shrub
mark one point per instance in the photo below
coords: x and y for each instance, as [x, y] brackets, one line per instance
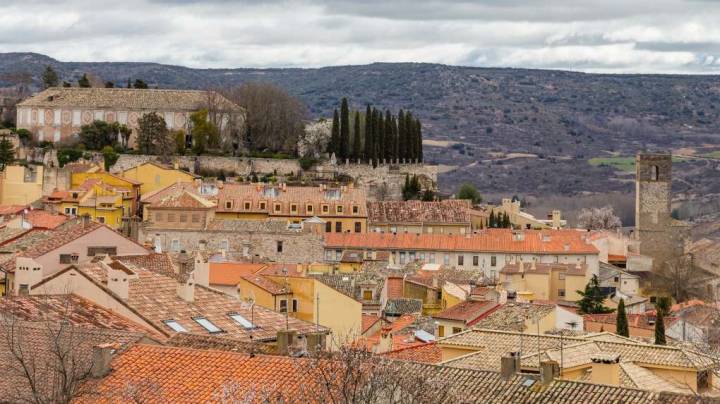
[65, 156]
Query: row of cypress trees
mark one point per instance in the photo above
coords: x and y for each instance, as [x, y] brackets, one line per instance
[375, 135]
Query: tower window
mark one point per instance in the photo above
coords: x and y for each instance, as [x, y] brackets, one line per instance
[653, 173]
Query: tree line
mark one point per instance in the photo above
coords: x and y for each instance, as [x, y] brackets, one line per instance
[375, 135]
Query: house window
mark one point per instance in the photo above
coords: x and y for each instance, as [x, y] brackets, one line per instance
[493, 261]
[278, 207]
[195, 218]
[159, 217]
[367, 295]
[309, 209]
[93, 251]
[328, 226]
[402, 257]
[561, 292]
[461, 260]
[24, 290]
[654, 173]
[358, 227]
[242, 321]
[183, 217]
[175, 326]
[617, 279]
[207, 325]
[432, 258]
[247, 205]
[338, 255]
[325, 209]
[283, 306]
[411, 256]
[457, 330]
[441, 331]
[68, 258]
[293, 208]
[279, 246]
[339, 209]
[704, 379]
[171, 217]
[338, 227]
[71, 211]
[355, 209]
[224, 245]
[295, 305]
[329, 255]
[100, 219]
[446, 259]
[561, 275]
[175, 245]
[228, 204]
[476, 260]
[262, 205]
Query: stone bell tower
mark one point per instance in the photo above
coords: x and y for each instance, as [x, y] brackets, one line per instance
[652, 206]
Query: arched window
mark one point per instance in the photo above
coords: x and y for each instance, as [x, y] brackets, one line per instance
[653, 173]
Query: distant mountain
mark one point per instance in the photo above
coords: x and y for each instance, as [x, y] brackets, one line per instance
[510, 130]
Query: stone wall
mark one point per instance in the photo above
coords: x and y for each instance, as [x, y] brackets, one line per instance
[239, 165]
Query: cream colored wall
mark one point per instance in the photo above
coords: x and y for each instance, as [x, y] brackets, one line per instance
[154, 177]
[101, 237]
[13, 188]
[247, 290]
[340, 313]
[451, 352]
[679, 376]
[228, 290]
[448, 326]
[573, 283]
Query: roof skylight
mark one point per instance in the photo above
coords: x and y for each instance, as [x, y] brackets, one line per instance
[241, 320]
[175, 326]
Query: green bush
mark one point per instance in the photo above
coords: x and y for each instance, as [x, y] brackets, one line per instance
[68, 156]
[307, 162]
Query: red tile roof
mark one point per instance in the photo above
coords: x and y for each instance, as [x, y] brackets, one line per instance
[45, 220]
[11, 209]
[451, 211]
[467, 311]
[424, 353]
[230, 273]
[60, 238]
[368, 320]
[267, 285]
[491, 240]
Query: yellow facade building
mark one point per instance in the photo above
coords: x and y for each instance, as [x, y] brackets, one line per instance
[130, 189]
[102, 202]
[154, 176]
[21, 185]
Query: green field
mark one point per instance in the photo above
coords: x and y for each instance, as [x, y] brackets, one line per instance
[627, 163]
[619, 163]
[715, 154]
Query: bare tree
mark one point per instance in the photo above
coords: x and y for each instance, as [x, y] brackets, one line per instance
[229, 120]
[275, 120]
[680, 278]
[599, 219]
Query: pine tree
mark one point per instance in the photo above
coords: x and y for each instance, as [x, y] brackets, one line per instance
[344, 149]
[402, 141]
[660, 330]
[621, 322]
[356, 149]
[84, 81]
[7, 152]
[367, 147]
[592, 298]
[50, 77]
[335, 134]
[506, 220]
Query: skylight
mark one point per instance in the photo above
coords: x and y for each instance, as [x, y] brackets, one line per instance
[207, 324]
[175, 326]
[242, 321]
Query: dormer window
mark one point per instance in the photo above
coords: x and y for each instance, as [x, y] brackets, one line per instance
[228, 204]
[293, 208]
[263, 205]
[278, 207]
[247, 205]
[325, 208]
[355, 209]
[339, 209]
[309, 208]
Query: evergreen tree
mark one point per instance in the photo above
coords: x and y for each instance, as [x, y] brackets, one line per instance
[506, 221]
[409, 143]
[418, 139]
[109, 84]
[402, 140]
[50, 77]
[662, 309]
[621, 322]
[380, 136]
[7, 152]
[344, 149]
[388, 132]
[428, 196]
[333, 145]
[394, 138]
[491, 220]
[66, 84]
[140, 84]
[592, 298]
[84, 81]
[356, 149]
[375, 136]
[129, 84]
[368, 134]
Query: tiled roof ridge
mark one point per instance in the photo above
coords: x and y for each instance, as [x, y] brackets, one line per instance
[87, 228]
[409, 347]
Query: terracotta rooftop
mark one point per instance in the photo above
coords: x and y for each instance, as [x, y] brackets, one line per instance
[353, 284]
[183, 199]
[230, 273]
[61, 237]
[154, 297]
[170, 374]
[491, 240]
[424, 353]
[643, 321]
[512, 316]
[368, 320]
[450, 211]
[467, 311]
[6, 210]
[42, 219]
[538, 268]
[217, 342]
[403, 305]
[123, 98]
[266, 284]
[161, 263]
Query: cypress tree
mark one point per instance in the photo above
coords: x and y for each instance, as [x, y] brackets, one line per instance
[335, 135]
[621, 323]
[506, 220]
[402, 141]
[380, 136]
[356, 150]
[394, 138]
[418, 139]
[409, 142]
[491, 220]
[389, 140]
[368, 133]
[344, 148]
[660, 330]
[375, 136]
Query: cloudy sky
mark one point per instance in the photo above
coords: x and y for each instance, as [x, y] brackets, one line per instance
[674, 36]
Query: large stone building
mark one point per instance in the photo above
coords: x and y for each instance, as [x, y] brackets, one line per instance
[661, 237]
[58, 113]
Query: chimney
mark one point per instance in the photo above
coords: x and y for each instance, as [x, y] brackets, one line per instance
[509, 365]
[201, 270]
[315, 342]
[186, 283]
[118, 278]
[285, 340]
[606, 369]
[386, 341]
[549, 370]
[101, 357]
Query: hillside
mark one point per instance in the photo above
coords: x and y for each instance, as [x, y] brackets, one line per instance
[509, 130]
